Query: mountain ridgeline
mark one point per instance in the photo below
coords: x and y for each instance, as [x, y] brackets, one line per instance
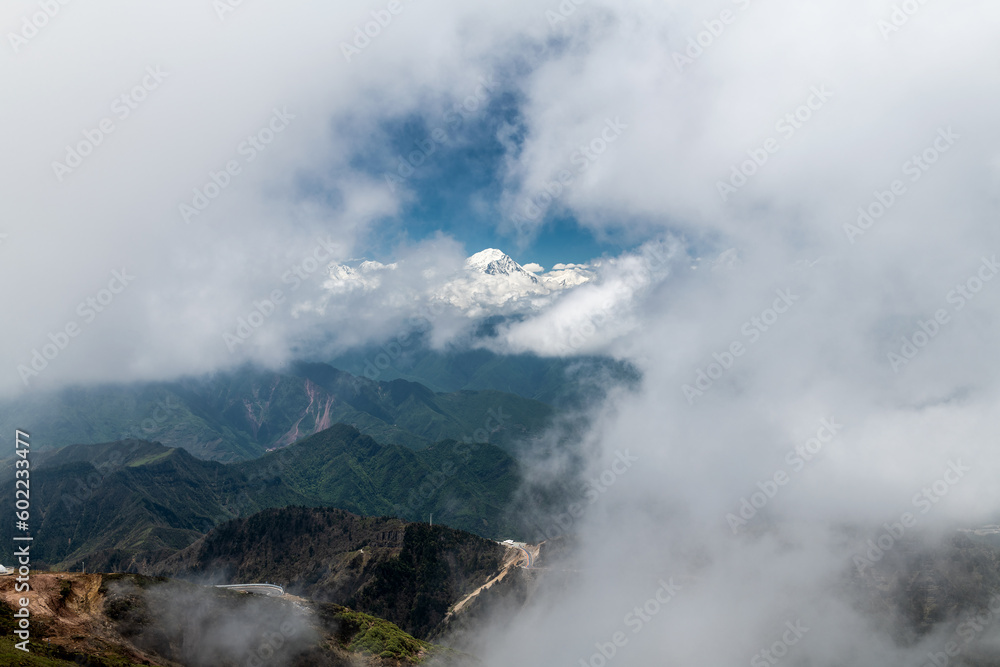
[128, 504]
[240, 415]
[407, 573]
[563, 383]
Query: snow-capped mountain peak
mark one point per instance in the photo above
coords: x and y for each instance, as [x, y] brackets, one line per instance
[495, 262]
[492, 282]
[371, 266]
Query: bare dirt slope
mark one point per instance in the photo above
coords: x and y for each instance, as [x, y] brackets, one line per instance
[68, 619]
[514, 558]
[103, 620]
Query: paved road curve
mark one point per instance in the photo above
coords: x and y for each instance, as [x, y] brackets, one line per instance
[260, 589]
[521, 546]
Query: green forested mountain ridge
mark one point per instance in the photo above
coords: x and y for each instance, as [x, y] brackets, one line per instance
[126, 504]
[466, 486]
[408, 573]
[552, 380]
[241, 414]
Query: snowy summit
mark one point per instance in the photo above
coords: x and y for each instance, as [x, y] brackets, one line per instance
[495, 262]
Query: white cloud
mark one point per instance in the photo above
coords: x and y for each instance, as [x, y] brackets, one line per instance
[221, 83]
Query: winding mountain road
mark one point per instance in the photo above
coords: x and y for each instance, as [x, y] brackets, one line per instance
[269, 590]
[527, 556]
